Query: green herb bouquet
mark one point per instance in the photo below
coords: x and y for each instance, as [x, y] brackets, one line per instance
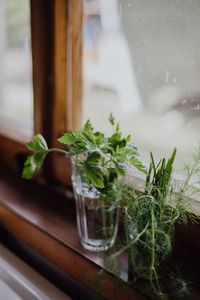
[97, 164]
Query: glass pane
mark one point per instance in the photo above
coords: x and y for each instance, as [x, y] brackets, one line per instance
[141, 61]
[16, 91]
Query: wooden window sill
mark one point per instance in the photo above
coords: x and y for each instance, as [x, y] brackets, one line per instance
[46, 221]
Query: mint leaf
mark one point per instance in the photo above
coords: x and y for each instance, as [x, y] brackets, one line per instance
[38, 144]
[33, 164]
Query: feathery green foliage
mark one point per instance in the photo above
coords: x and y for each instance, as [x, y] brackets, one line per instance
[149, 218]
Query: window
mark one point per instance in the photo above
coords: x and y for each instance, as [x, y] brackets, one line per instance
[78, 75]
[16, 92]
[56, 57]
[16, 82]
[141, 61]
[129, 60]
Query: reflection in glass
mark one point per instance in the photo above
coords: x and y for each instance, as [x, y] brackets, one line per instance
[16, 95]
[141, 61]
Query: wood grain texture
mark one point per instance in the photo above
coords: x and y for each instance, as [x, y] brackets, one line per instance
[60, 69]
[67, 66]
[28, 212]
[75, 40]
[67, 78]
[42, 55]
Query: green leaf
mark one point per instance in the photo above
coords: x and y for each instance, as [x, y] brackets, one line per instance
[138, 164]
[148, 178]
[111, 119]
[67, 139]
[88, 126]
[153, 163]
[128, 138]
[76, 152]
[117, 127]
[99, 138]
[94, 175]
[115, 139]
[89, 136]
[120, 168]
[38, 144]
[33, 164]
[72, 137]
[93, 158]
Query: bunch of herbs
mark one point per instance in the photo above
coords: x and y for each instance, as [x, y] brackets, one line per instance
[102, 159]
[149, 218]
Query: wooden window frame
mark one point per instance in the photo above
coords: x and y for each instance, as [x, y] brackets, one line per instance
[56, 36]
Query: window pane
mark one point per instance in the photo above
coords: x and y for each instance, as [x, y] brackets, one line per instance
[16, 92]
[141, 61]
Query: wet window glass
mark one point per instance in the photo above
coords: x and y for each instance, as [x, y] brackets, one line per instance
[16, 91]
[141, 61]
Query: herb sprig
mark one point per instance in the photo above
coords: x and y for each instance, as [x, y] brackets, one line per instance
[102, 159]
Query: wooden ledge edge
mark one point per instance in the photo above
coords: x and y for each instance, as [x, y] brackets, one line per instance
[69, 261]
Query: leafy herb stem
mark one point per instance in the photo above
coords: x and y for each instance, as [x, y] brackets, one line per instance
[58, 150]
[131, 243]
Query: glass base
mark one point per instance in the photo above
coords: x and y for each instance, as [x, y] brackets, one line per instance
[97, 245]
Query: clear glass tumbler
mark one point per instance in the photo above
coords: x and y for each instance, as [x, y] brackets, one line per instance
[97, 222]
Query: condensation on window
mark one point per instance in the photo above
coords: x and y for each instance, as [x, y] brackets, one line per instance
[16, 91]
[141, 62]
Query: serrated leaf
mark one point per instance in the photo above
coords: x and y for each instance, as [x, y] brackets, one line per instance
[88, 126]
[115, 139]
[138, 164]
[94, 175]
[89, 136]
[93, 158]
[99, 138]
[72, 137]
[38, 144]
[67, 139]
[120, 169]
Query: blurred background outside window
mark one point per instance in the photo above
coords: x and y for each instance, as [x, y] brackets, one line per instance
[16, 91]
[141, 62]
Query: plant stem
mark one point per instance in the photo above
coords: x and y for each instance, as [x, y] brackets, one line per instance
[152, 266]
[131, 243]
[58, 150]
